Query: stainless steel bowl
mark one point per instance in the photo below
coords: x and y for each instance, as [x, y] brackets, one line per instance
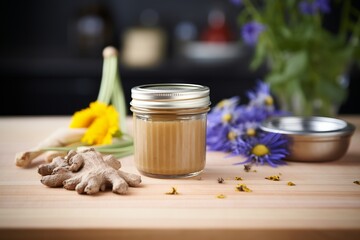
[313, 139]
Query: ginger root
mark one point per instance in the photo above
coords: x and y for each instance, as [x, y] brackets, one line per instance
[50, 155]
[59, 138]
[87, 171]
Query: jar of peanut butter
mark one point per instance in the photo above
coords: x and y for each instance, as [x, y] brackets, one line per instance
[169, 124]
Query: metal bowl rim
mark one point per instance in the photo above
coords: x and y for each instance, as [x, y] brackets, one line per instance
[268, 126]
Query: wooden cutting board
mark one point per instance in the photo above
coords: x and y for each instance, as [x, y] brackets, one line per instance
[324, 203]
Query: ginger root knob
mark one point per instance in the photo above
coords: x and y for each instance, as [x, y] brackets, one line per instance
[87, 171]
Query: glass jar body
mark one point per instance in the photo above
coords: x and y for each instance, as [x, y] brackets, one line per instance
[171, 143]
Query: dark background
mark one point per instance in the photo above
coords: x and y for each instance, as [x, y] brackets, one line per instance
[46, 70]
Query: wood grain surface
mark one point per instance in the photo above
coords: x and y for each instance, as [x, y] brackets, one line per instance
[324, 204]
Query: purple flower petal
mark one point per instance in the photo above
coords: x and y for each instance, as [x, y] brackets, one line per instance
[307, 8]
[311, 8]
[251, 31]
[323, 5]
[236, 2]
[276, 155]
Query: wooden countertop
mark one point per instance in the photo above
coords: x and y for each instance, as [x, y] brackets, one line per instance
[324, 204]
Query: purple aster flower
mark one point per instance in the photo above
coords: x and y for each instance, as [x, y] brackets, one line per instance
[249, 129]
[261, 96]
[221, 138]
[228, 103]
[263, 102]
[310, 8]
[221, 125]
[322, 5]
[251, 31]
[269, 148]
[236, 2]
[307, 8]
[222, 118]
[247, 113]
[224, 113]
[235, 128]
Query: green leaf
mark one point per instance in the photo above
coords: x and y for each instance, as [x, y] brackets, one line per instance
[294, 66]
[331, 92]
[285, 32]
[259, 56]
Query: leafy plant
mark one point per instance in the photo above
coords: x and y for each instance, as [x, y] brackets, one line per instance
[307, 62]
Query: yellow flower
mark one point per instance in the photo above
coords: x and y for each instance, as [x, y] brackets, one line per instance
[101, 121]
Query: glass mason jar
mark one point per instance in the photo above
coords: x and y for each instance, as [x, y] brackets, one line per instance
[169, 124]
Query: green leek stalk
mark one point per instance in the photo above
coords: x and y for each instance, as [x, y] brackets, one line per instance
[110, 88]
[110, 92]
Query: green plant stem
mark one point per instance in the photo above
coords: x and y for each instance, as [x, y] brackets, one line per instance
[354, 38]
[118, 99]
[111, 148]
[107, 81]
[111, 90]
[116, 150]
[123, 154]
[251, 9]
[267, 35]
[344, 20]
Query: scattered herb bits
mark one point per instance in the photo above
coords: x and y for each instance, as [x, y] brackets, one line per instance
[238, 178]
[291, 184]
[220, 180]
[221, 196]
[173, 191]
[273, 178]
[243, 188]
[247, 167]
[357, 182]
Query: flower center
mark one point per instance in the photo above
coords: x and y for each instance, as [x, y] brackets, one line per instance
[227, 117]
[250, 132]
[231, 135]
[221, 104]
[269, 101]
[260, 150]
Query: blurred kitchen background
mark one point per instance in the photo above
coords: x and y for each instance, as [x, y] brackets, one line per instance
[51, 51]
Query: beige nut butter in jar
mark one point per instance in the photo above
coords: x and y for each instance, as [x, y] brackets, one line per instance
[169, 124]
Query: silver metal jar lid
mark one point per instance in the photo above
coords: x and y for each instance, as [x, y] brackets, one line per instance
[170, 96]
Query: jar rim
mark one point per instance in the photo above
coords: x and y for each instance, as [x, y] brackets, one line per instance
[170, 96]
